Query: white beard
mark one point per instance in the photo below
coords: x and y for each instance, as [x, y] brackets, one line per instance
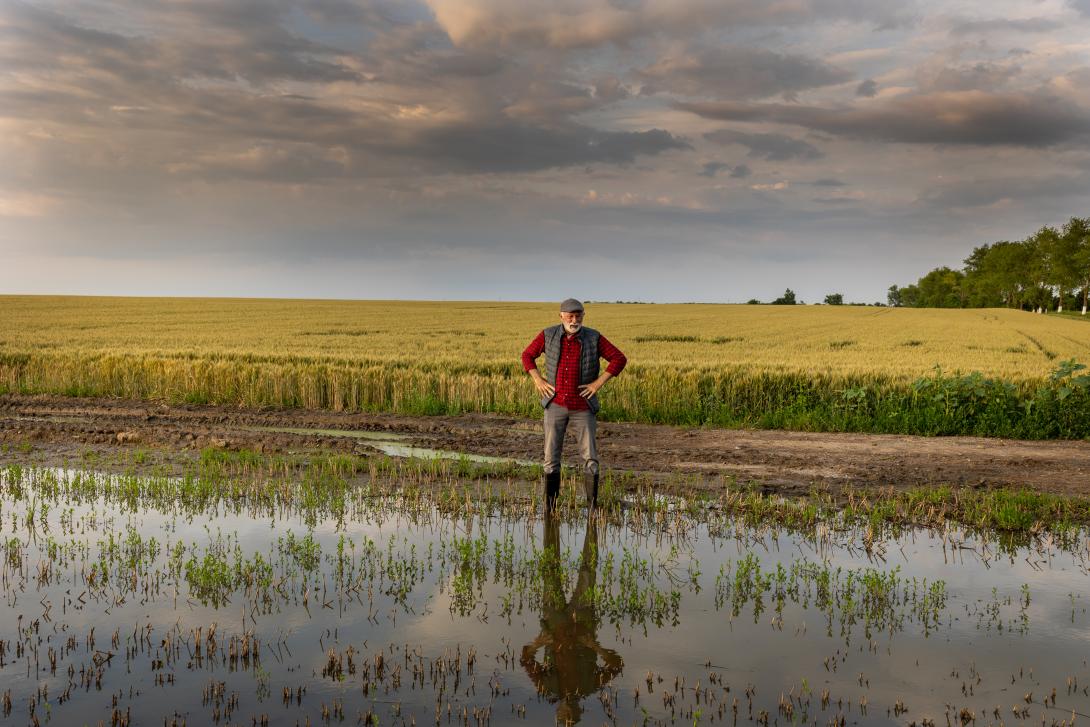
[572, 327]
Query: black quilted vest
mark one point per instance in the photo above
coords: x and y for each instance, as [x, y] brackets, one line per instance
[589, 364]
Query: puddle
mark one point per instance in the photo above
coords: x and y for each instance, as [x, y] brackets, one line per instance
[394, 449]
[61, 419]
[393, 445]
[135, 595]
[353, 433]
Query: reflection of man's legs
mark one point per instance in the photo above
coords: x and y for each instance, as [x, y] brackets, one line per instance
[584, 613]
[550, 539]
[588, 572]
[585, 424]
[556, 422]
[544, 673]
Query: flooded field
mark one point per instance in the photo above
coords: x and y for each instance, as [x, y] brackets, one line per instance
[217, 600]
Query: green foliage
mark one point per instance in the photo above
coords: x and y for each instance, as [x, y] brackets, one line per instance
[788, 298]
[941, 288]
[877, 600]
[893, 297]
[1049, 269]
[939, 404]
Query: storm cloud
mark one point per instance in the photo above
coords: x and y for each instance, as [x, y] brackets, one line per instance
[773, 147]
[965, 117]
[678, 149]
[739, 73]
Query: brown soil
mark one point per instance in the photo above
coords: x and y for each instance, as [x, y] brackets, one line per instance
[61, 429]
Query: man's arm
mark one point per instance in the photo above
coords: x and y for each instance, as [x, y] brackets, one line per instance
[617, 362]
[535, 349]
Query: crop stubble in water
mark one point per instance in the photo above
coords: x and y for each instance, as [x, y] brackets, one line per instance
[143, 609]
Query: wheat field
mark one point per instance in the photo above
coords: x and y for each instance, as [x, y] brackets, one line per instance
[440, 357]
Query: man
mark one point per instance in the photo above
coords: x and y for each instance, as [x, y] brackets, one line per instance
[569, 392]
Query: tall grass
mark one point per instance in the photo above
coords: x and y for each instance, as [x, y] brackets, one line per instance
[693, 365]
[1055, 407]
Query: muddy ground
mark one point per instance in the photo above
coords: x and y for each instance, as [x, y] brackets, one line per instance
[60, 429]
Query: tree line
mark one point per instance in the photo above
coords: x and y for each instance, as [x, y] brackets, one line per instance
[1049, 270]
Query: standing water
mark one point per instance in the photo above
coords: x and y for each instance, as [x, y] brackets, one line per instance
[130, 600]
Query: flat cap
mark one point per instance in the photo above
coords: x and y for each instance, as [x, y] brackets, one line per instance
[571, 305]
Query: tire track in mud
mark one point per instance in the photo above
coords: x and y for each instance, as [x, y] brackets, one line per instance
[60, 427]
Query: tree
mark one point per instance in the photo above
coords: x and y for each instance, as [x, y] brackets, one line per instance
[787, 299]
[1059, 251]
[999, 274]
[983, 285]
[1077, 230]
[834, 299]
[893, 296]
[941, 288]
[1036, 273]
[910, 296]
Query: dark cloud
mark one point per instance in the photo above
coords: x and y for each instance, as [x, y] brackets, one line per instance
[738, 72]
[1082, 6]
[504, 146]
[610, 88]
[553, 100]
[1002, 25]
[710, 169]
[382, 148]
[515, 147]
[521, 148]
[773, 147]
[867, 88]
[249, 46]
[828, 182]
[969, 118]
[984, 192]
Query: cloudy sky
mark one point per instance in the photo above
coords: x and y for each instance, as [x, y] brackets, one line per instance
[661, 150]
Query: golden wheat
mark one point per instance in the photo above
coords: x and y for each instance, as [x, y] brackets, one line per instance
[464, 356]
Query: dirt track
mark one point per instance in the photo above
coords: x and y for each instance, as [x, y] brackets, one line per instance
[61, 428]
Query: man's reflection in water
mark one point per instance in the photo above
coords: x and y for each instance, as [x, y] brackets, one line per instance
[569, 669]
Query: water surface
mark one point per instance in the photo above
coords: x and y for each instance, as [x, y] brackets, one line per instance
[118, 607]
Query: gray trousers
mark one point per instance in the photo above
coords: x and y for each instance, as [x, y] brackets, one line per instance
[584, 425]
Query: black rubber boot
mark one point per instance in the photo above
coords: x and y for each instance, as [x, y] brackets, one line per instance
[552, 490]
[590, 483]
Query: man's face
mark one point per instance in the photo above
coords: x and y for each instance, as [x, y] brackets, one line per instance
[572, 321]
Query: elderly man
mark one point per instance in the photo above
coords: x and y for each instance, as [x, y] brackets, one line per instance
[569, 392]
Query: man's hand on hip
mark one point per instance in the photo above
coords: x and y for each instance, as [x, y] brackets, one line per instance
[588, 390]
[543, 387]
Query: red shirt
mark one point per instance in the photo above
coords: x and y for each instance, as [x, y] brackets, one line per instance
[567, 370]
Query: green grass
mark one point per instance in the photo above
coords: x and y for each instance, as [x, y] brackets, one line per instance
[322, 485]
